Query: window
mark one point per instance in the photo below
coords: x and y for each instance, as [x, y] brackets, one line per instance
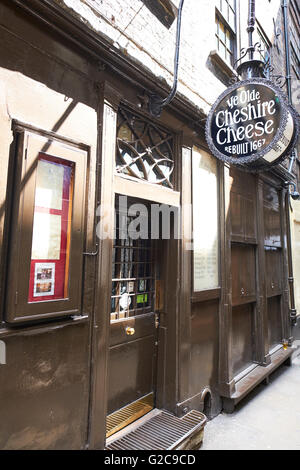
[263, 51]
[265, 46]
[144, 150]
[227, 9]
[294, 24]
[133, 271]
[46, 253]
[226, 30]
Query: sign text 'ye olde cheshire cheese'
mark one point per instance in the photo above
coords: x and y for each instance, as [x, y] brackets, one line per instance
[251, 122]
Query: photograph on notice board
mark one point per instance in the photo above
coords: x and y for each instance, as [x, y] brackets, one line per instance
[44, 279]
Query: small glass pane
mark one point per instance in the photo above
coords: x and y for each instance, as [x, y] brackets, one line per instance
[231, 19]
[229, 41]
[49, 270]
[222, 50]
[222, 32]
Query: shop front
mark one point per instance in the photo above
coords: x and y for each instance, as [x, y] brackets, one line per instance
[138, 271]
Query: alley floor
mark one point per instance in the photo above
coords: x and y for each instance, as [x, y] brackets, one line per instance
[267, 419]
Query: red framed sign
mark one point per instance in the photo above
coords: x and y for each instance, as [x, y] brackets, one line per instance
[49, 270]
[48, 226]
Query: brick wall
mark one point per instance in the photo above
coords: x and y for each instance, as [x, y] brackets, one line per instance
[137, 33]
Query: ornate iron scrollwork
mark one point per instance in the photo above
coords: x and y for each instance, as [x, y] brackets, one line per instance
[144, 150]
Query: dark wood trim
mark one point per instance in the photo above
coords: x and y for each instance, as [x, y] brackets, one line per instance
[261, 353]
[285, 311]
[251, 299]
[186, 274]
[226, 379]
[7, 211]
[291, 280]
[101, 320]
[209, 294]
[20, 126]
[242, 240]
[133, 187]
[42, 328]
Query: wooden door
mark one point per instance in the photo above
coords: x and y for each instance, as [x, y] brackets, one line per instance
[133, 326]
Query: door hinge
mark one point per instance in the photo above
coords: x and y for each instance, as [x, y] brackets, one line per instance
[16, 298]
[156, 316]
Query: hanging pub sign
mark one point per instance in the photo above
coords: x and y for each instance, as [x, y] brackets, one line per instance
[252, 125]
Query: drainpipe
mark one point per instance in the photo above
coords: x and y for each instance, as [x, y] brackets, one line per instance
[156, 103]
[293, 311]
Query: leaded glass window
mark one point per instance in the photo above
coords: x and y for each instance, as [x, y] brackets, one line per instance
[144, 150]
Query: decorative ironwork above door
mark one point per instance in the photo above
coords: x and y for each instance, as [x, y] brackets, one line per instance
[144, 150]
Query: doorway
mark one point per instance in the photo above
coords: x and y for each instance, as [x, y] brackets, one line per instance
[134, 318]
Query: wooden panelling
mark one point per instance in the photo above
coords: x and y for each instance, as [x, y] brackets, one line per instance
[243, 274]
[242, 207]
[242, 337]
[44, 389]
[273, 271]
[204, 345]
[127, 378]
[274, 321]
[272, 220]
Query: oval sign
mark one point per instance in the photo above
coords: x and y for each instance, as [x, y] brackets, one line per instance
[250, 121]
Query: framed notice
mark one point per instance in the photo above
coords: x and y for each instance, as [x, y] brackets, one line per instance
[48, 228]
[44, 279]
[49, 270]
[205, 221]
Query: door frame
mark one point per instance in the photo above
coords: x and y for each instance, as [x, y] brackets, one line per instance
[109, 184]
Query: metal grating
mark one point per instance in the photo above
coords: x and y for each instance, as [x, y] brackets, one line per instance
[133, 271]
[161, 432]
[123, 417]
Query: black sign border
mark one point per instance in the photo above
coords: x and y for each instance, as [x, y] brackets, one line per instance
[286, 108]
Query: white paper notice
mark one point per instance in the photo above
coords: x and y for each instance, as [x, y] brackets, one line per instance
[205, 221]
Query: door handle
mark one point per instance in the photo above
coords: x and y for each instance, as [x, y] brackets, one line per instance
[93, 253]
[130, 331]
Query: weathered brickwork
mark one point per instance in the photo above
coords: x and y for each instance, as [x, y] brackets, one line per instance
[136, 32]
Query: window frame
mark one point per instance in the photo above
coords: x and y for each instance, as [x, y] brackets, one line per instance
[220, 18]
[210, 291]
[30, 145]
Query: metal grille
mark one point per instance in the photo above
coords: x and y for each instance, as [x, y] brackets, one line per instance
[161, 432]
[144, 150]
[133, 276]
[130, 413]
